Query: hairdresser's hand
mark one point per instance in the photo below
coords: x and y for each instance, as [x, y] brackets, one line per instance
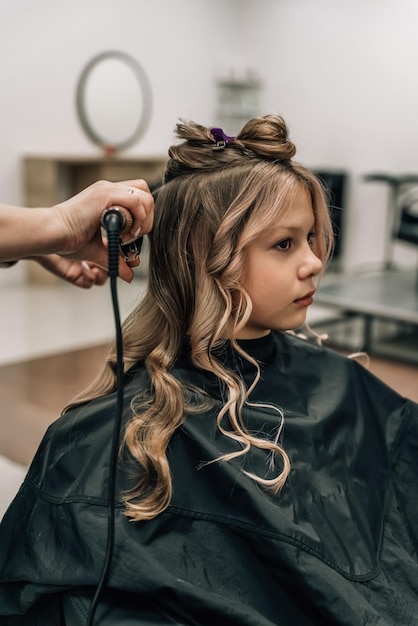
[79, 273]
[79, 220]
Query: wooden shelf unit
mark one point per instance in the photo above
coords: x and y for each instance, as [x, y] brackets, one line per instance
[48, 180]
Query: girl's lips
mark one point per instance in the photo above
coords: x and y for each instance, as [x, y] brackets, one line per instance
[305, 300]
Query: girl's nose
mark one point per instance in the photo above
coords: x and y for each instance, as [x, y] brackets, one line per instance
[311, 265]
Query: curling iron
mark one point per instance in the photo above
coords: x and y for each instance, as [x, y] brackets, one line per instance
[119, 220]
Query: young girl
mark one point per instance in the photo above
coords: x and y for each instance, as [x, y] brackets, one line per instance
[263, 480]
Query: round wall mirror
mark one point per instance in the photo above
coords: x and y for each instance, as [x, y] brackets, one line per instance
[113, 101]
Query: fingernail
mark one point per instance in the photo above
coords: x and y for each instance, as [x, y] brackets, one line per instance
[85, 266]
[136, 233]
[129, 241]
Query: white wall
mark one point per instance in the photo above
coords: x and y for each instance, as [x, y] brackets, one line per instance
[342, 72]
[44, 46]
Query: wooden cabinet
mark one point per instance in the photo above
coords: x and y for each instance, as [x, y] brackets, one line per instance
[48, 180]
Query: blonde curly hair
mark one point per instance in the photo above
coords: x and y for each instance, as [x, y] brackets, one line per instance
[211, 206]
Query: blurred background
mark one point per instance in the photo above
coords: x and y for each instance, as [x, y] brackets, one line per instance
[342, 74]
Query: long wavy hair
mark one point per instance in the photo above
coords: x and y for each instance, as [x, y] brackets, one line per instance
[212, 204]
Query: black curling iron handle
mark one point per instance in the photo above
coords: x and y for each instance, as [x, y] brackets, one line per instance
[116, 217]
[119, 220]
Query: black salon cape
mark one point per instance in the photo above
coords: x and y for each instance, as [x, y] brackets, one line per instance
[337, 546]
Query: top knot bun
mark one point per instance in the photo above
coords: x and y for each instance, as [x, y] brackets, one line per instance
[267, 137]
[261, 138]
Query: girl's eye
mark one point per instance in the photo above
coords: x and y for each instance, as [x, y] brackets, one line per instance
[311, 239]
[284, 245]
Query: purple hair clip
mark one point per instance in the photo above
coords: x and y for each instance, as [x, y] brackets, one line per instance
[220, 138]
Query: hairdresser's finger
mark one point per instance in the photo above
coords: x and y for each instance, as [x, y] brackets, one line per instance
[95, 252]
[125, 272]
[97, 275]
[140, 204]
[138, 183]
[99, 257]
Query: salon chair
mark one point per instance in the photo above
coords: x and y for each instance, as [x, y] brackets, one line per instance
[402, 213]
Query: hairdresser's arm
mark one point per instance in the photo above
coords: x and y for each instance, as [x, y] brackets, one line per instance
[72, 228]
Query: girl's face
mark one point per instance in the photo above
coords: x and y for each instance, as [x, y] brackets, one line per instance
[281, 270]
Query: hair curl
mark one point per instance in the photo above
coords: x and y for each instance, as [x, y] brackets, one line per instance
[212, 205]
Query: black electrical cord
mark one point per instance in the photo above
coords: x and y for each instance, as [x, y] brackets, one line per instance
[113, 222]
